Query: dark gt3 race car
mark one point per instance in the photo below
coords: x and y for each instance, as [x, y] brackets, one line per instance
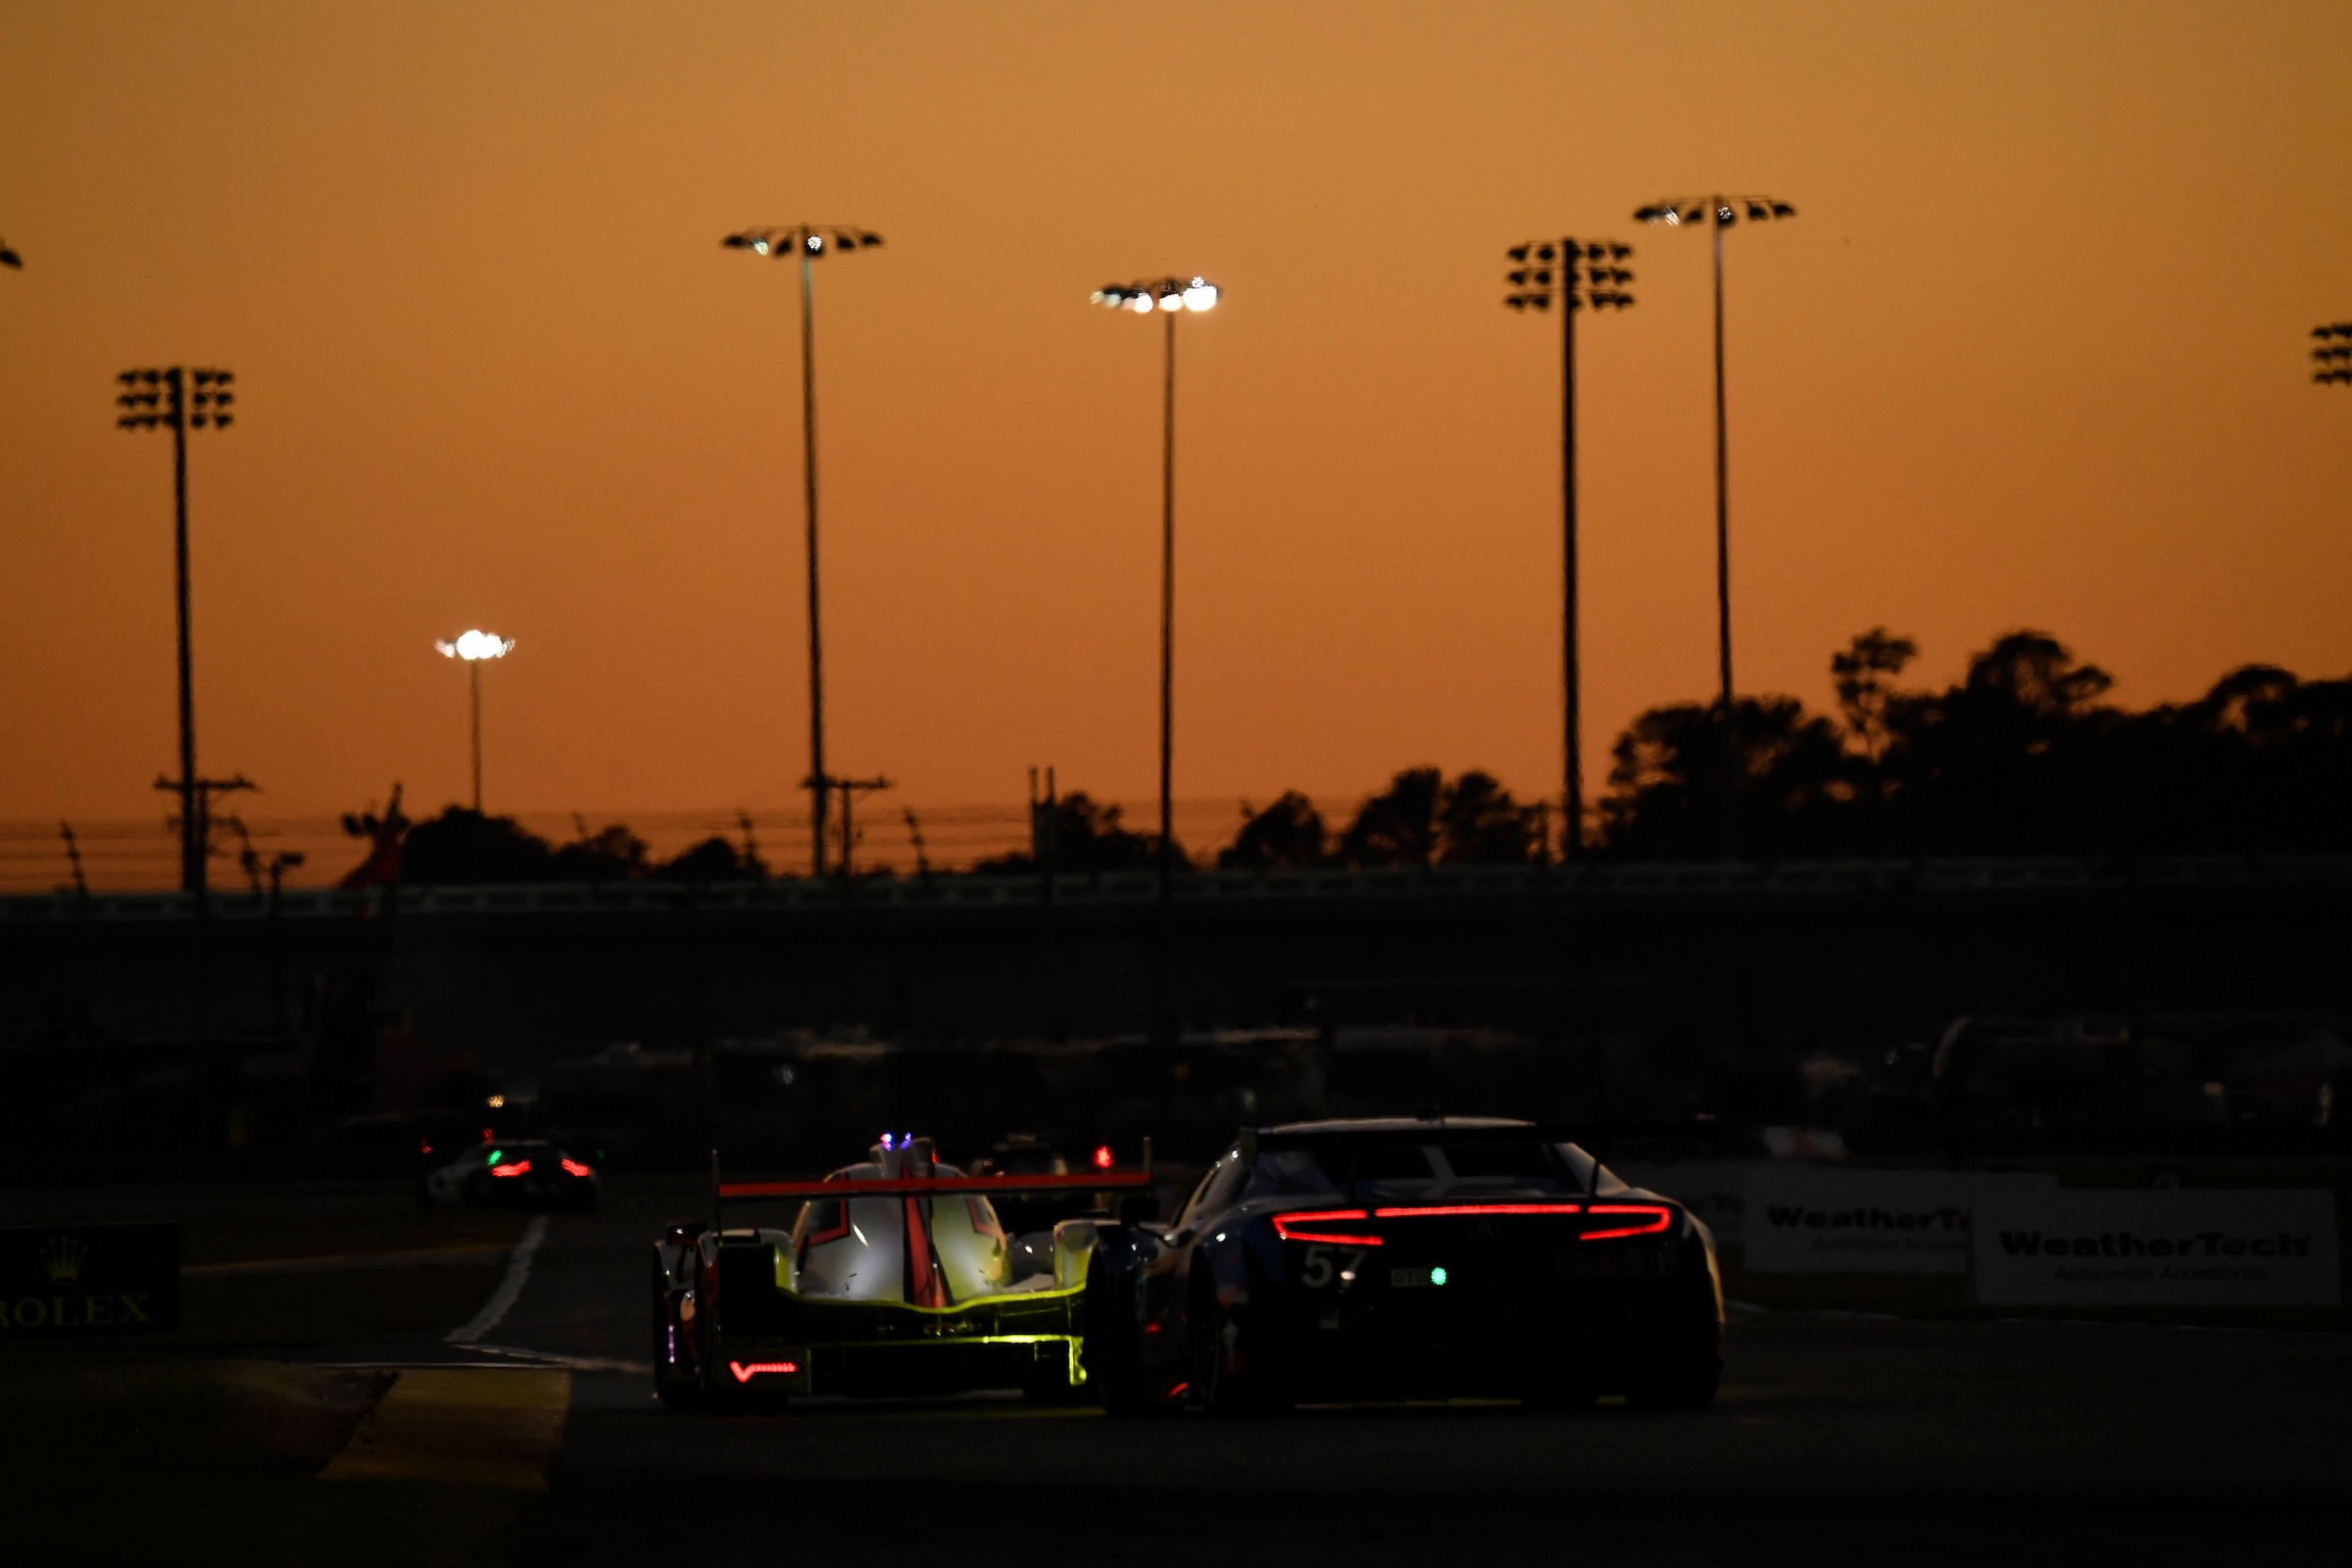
[524, 1173]
[1442, 1257]
[896, 1277]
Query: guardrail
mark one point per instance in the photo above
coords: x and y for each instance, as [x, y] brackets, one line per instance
[1789, 878]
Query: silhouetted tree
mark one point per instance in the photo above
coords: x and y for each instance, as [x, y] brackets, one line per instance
[1398, 826]
[715, 860]
[1480, 824]
[1666, 783]
[1864, 678]
[614, 855]
[2017, 758]
[1090, 837]
[463, 847]
[1287, 835]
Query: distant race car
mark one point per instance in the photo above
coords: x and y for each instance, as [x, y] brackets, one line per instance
[1384, 1259]
[897, 1276]
[524, 1173]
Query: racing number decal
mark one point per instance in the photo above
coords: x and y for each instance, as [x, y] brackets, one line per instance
[1318, 1271]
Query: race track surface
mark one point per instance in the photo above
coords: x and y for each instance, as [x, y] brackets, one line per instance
[1837, 1439]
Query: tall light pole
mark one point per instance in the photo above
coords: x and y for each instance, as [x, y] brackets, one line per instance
[2331, 359]
[477, 648]
[1721, 211]
[808, 242]
[1575, 275]
[1169, 298]
[180, 400]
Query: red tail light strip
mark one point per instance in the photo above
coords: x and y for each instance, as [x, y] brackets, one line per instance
[1314, 1225]
[745, 1371]
[573, 1167]
[1653, 1221]
[1479, 1208]
[515, 1170]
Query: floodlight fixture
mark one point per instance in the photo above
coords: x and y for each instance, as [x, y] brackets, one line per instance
[1575, 275]
[2332, 356]
[1721, 213]
[475, 649]
[9, 256]
[1168, 298]
[178, 399]
[810, 243]
[1164, 294]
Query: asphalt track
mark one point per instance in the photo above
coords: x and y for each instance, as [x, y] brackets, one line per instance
[1863, 1438]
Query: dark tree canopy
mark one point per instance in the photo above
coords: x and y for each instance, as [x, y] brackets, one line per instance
[1088, 837]
[2023, 756]
[1287, 836]
[1398, 826]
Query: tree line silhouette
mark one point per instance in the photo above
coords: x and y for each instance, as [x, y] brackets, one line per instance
[2021, 756]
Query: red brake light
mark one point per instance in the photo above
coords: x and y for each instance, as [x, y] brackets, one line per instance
[1102, 1157]
[1648, 1219]
[515, 1170]
[1479, 1208]
[573, 1167]
[1315, 1225]
[745, 1371]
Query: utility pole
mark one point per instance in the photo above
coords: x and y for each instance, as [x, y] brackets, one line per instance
[810, 243]
[178, 400]
[1167, 297]
[1722, 212]
[1575, 275]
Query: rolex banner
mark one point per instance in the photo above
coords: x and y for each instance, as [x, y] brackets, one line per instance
[88, 1279]
[2182, 1247]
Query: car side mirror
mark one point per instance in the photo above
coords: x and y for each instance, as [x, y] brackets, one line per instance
[1138, 1208]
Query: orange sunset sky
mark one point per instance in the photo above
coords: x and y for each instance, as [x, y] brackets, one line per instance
[2032, 354]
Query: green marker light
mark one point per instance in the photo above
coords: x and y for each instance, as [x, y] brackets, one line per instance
[1436, 1276]
[497, 1155]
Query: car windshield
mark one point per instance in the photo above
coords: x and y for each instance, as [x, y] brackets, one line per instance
[1409, 1166]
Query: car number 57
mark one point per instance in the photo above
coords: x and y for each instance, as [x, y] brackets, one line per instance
[1318, 1271]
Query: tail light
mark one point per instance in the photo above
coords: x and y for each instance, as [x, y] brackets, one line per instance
[516, 1169]
[1478, 1209]
[1631, 1219]
[745, 1371]
[1318, 1225]
[573, 1167]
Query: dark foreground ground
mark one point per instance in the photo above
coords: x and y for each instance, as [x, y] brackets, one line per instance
[1848, 1438]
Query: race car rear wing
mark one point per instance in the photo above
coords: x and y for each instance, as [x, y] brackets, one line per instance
[723, 1192]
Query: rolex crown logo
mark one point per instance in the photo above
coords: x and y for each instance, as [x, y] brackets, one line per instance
[62, 1258]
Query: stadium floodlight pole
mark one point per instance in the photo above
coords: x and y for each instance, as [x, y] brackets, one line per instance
[178, 399]
[2331, 359]
[808, 242]
[476, 648]
[1169, 297]
[1723, 212]
[1575, 275]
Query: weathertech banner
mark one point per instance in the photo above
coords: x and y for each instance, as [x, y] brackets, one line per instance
[1829, 1219]
[2161, 1248]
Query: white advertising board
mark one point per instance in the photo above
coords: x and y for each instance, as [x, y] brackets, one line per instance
[1827, 1219]
[2163, 1249]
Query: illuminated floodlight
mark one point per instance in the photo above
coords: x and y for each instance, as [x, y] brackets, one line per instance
[474, 646]
[1200, 295]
